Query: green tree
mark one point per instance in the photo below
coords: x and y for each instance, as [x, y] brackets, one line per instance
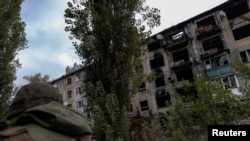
[12, 40]
[212, 105]
[110, 35]
[37, 78]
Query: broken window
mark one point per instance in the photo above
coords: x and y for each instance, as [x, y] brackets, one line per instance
[237, 10]
[163, 122]
[181, 55]
[176, 37]
[142, 87]
[144, 105]
[214, 42]
[184, 74]
[216, 62]
[157, 62]
[187, 93]
[160, 81]
[241, 32]
[177, 40]
[154, 45]
[162, 98]
[225, 81]
[245, 56]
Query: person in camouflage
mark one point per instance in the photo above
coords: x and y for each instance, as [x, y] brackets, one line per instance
[37, 114]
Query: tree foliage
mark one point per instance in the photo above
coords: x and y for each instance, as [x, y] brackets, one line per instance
[36, 78]
[109, 36]
[212, 105]
[12, 40]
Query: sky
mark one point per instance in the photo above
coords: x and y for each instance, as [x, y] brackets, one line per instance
[50, 50]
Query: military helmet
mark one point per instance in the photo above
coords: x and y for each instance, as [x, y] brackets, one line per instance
[31, 95]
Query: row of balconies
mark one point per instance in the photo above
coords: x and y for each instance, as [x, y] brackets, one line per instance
[178, 38]
[215, 64]
[238, 16]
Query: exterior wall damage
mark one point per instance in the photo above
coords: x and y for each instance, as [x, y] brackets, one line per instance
[202, 45]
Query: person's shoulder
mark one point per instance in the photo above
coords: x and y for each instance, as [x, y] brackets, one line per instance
[17, 133]
[31, 132]
[38, 132]
[35, 132]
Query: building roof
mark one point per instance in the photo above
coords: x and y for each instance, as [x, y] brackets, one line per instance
[67, 75]
[224, 6]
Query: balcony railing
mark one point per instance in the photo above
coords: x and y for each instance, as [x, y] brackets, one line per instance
[177, 40]
[218, 71]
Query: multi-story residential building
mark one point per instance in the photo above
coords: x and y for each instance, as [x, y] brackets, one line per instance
[202, 45]
[70, 87]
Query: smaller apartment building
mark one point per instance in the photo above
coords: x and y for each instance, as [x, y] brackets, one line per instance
[202, 45]
[70, 87]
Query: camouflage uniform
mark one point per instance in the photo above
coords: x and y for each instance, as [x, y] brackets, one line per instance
[38, 114]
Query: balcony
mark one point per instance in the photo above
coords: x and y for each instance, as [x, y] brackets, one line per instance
[219, 71]
[177, 63]
[157, 61]
[176, 40]
[180, 59]
[206, 27]
[212, 45]
[209, 52]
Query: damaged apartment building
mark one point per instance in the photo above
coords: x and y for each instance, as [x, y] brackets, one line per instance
[202, 45]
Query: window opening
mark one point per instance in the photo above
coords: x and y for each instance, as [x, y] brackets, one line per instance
[69, 94]
[227, 82]
[245, 56]
[142, 87]
[160, 81]
[154, 45]
[181, 55]
[69, 81]
[162, 98]
[184, 74]
[214, 42]
[241, 32]
[237, 10]
[79, 90]
[144, 105]
[176, 37]
[80, 104]
[157, 62]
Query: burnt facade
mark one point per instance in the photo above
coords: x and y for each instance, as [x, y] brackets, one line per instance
[202, 45]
